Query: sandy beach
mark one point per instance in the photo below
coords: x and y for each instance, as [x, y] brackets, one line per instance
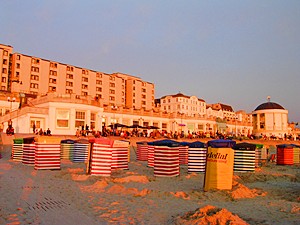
[270, 195]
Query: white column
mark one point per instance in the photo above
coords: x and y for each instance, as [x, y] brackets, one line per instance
[258, 121]
[98, 125]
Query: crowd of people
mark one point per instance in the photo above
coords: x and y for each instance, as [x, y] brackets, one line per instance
[42, 132]
[149, 133]
[153, 133]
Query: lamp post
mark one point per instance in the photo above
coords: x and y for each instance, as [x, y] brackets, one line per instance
[141, 121]
[181, 124]
[174, 125]
[11, 100]
[114, 107]
[235, 126]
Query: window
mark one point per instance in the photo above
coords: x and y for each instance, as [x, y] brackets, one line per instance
[112, 84]
[86, 72]
[53, 65]
[99, 82]
[85, 79]
[53, 81]
[99, 75]
[18, 65]
[34, 77]
[84, 86]
[79, 119]
[111, 98]
[143, 96]
[143, 102]
[5, 61]
[80, 115]
[17, 74]
[112, 91]
[52, 72]
[18, 57]
[143, 90]
[35, 61]
[69, 91]
[200, 127]
[33, 85]
[84, 93]
[5, 52]
[52, 89]
[69, 68]
[93, 120]
[93, 116]
[98, 89]
[69, 84]
[35, 69]
[62, 118]
[4, 70]
[69, 76]
[3, 79]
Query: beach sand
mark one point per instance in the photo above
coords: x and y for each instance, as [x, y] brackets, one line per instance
[270, 195]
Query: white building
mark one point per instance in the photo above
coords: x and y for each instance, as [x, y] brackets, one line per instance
[270, 119]
[180, 103]
[64, 114]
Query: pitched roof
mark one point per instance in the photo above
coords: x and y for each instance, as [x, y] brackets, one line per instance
[179, 94]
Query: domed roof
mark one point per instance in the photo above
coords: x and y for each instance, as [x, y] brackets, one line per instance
[269, 105]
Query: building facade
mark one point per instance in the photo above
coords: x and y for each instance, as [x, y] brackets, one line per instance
[65, 98]
[271, 120]
[183, 104]
[37, 76]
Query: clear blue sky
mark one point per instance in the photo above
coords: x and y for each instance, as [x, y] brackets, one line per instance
[233, 52]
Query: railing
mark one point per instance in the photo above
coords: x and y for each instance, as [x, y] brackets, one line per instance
[69, 98]
[23, 111]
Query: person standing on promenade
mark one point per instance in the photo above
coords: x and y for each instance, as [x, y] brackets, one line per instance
[1, 127]
[33, 128]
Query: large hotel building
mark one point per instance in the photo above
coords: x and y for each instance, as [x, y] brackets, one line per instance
[33, 75]
[64, 97]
